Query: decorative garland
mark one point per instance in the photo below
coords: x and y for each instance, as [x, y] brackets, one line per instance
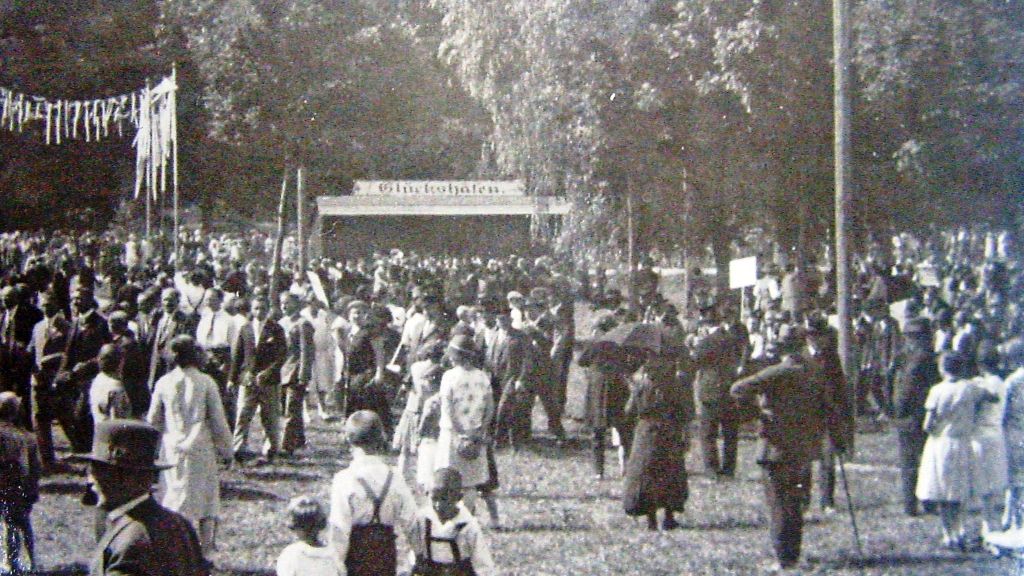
[150, 111]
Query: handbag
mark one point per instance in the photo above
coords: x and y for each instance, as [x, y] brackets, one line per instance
[467, 447]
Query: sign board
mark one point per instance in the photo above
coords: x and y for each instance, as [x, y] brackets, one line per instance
[318, 287]
[438, 188]
[927, 275]
[742, 272]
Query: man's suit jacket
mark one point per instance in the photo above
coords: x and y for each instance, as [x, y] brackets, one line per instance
[297, 368]
[715, 359]
[166, 328]
[25, 319]
[149, 540]
[87, 334]
[509, 359]
[47, 348]
[134, 372]
[258, 363]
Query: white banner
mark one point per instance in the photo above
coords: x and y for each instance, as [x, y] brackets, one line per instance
[439, 187]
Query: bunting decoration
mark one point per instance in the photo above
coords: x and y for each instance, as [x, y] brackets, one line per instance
[150, 112]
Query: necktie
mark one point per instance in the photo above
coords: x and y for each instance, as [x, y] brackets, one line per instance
[213, 321]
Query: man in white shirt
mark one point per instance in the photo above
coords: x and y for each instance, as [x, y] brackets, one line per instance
[216, 331]
[370, 503]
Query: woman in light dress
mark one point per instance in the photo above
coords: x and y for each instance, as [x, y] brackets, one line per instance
[467, 407]
[324, 345]
[426, 374]
[990, 477]
[1013, 427]
[944, 477]
[187, 409]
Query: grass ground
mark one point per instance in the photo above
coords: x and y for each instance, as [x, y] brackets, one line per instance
[560, 520]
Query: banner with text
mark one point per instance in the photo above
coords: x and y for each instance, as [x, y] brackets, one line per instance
[439, 187]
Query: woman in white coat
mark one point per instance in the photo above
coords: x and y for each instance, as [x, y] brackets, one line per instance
[187, 409]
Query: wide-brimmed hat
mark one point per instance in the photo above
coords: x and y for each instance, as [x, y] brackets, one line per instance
[128, 444]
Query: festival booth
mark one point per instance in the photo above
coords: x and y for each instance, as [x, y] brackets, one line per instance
[438, 217]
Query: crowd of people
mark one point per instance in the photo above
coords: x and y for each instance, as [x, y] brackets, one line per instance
[440, 360]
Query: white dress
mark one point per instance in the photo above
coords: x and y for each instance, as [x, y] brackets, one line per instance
[467, 406]
[324, 346]
[990, 465]
[945, 472]
[187, 409]
[301, 559]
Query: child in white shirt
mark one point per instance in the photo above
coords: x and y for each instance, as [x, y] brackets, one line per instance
[446, 539]
[307, 556]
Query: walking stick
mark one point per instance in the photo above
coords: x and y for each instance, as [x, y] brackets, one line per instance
[849, 507]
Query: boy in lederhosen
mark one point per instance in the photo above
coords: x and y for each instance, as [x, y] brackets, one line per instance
[370, 502]
[446, 539]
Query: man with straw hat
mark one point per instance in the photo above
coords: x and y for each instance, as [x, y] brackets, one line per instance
[142, 537]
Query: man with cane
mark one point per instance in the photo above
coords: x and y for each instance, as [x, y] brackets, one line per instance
[796, 411]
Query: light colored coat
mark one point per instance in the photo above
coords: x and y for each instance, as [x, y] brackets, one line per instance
[187, 409]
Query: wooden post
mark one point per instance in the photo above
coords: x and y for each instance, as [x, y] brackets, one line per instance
[631, 249]
[841, 47]
[174, 160]
[300, 214]
[275, 259]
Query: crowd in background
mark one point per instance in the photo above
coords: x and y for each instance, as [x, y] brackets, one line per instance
[451, 353]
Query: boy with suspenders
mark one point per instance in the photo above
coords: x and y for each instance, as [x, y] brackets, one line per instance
[446, 539]
[370, 503]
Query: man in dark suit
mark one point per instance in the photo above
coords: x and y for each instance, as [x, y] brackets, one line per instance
[142, 537]
[16, 324]
[256, 356]
[716, 361]
[88, 333]
[49, 339]
[133, 370]
[917, 372]
[296, 371]
[796, 411]
[173, 322]
[509, 359]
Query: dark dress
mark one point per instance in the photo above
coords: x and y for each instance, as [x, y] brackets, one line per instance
[656, 470]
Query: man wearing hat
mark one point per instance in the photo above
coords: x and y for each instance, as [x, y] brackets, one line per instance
[142, 538]
[795, 411]
[715, 359]
[16, 323]
[916, 374]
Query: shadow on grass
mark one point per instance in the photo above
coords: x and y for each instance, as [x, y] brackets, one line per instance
[550, 527]
[231, 491]
[722, 524]
[535, 497]
[69, 570]
[243, 572]
[895, 561]
[276, 475]
[64, 487]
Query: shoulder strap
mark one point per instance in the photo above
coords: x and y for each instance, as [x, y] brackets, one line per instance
[378, 501]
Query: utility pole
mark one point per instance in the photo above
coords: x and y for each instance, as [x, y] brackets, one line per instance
[841, 48]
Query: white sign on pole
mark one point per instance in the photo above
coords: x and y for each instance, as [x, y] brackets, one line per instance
[742, 272]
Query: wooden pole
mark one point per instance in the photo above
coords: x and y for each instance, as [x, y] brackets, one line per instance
[631, 249]
[300, 214]
[174, 160]
[275, 259]
[148, 187]
[841, 47]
